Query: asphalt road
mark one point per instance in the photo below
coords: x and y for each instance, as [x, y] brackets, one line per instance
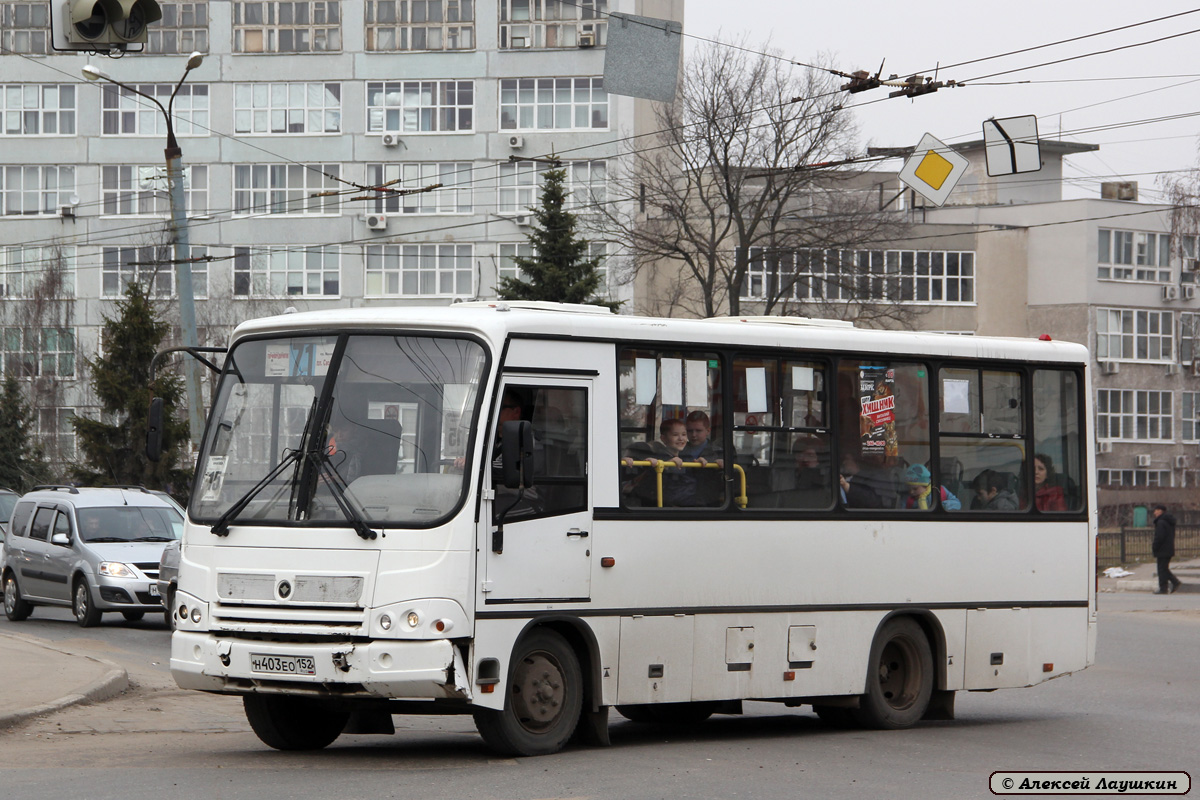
[1134, 710]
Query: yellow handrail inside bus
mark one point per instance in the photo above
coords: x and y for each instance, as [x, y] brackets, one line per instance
[661, 465]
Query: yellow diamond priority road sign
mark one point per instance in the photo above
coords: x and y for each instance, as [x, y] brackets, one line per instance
[933, 170]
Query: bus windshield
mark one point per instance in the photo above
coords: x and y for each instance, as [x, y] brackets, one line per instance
[379, 423]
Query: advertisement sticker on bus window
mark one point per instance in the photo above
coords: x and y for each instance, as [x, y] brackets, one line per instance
[802, 379]
[756, 390]
[383, 410]
[277, 358]
[645, 376]
[877, 422]
[214, 478]
[697, 383]
[956, 396]
[672, 381]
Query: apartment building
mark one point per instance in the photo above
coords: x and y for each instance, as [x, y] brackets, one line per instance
[300, 109]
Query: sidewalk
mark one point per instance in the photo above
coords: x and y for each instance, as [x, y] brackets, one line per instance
[1143, 578]
[37, 677]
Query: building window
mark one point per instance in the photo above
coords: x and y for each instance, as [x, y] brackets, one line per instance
[1129, 334]
[25, 269]
[1134, 415]
[1134, 256]
[129, 190]
[587, 184]
[911, 276]
[285, 189]
[153, 266]
[1189, 329]
[56, 433]
[517, 187]
[277, 108]
[32, 191]
[183, 29]
[509, 252]
[546, 104]
[30, 352]
[313, 271]
[127, 114]
[279, 26]
[1133, 477]
[552, 23]
[453, 198]
[1190, 413]
[420, 270]
[25, 27]
[1190, 264]
[37, 109]
[420, 25]
[420, 106]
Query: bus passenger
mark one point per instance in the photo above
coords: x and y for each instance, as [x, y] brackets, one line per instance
[699, 448]
[1048, 493]
[679, 485]
[920, 490]
[993, 494]
[855, 491]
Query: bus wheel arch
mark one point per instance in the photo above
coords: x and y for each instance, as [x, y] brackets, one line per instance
[901, 674]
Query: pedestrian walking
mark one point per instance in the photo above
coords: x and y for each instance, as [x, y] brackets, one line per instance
[1163, 548]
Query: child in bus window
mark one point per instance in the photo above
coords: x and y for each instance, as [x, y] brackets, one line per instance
[679, 485]
[920, 490]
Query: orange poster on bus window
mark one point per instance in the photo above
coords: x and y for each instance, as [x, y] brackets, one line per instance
[877, 419]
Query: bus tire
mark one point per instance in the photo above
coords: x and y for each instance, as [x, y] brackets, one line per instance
[680, 715]
[293, 723]
[899, 677]
[544, 699]
[16, 608]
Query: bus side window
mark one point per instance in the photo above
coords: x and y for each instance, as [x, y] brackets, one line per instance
[981, 426]
[1058, 441]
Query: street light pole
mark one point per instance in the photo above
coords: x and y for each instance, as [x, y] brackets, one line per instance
[179, 238]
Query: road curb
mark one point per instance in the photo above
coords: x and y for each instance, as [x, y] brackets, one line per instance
[113, 682]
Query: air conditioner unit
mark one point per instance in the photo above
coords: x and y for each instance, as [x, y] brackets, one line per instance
[1181, 462]
[587, 40]
[1172, 369]
[1187, 292]
[1170, 293]
[523, 220]
[377, 222]
[1103, 447]
[1110, 367]
[390, 139]
[516, 142]
[1196, 368]
[1191, 265]
[66, 212]
[1143, 460]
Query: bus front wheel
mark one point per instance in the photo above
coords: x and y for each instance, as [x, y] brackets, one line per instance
[899, 679]
[544, 699]
[293, 723]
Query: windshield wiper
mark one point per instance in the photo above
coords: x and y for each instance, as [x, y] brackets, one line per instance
[106, 539]
[337, 488]
[153, 539]
[221, 526]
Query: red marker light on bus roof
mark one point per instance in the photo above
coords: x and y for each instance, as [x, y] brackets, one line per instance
[1045, 337]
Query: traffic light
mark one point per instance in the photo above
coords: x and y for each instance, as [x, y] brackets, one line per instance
[104, 24]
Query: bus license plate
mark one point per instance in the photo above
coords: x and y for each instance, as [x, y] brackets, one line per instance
[283, 665]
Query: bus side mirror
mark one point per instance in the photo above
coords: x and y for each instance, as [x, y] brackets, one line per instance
[516, 454]
[154, 430]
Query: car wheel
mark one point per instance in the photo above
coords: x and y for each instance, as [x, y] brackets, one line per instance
[544, 699]
[133, 616]
[86, 613]
[16, 607]
[293, 723]
[899, 679]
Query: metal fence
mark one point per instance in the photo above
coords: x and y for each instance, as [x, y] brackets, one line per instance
[1131, 545]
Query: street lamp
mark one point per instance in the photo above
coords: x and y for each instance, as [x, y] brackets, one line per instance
[179, 236]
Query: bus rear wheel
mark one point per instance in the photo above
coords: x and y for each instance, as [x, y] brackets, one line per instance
[544, 699]
[293, 723]
[899, 679]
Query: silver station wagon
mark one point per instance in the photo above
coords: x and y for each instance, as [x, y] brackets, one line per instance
[93, 549]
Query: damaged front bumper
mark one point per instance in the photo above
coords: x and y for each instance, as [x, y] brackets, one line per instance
[431, 669]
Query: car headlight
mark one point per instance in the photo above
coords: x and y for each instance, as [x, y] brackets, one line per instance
[115, 569]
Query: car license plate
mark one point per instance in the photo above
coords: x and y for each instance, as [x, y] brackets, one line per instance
[154, 590]
[283, 665]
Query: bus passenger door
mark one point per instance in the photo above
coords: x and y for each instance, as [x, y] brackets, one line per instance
[545, 550]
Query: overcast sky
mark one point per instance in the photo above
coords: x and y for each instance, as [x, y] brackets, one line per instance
[860, 35]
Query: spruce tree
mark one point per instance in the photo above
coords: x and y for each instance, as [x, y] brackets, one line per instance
[114, 453]
[22, 463]
[559, 269]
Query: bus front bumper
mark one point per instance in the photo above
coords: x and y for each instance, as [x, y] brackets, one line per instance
[411, 669]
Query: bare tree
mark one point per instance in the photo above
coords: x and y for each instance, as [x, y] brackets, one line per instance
[736, 184]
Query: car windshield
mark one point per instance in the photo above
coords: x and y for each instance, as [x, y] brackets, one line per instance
[391, 432]
[7, 501]
[129, 524]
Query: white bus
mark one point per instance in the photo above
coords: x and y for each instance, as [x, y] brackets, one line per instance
[480, 509]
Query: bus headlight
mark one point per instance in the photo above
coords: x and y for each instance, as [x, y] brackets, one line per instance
[414, 619]
[385, 622]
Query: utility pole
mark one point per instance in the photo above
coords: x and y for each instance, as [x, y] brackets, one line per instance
[179, 239]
